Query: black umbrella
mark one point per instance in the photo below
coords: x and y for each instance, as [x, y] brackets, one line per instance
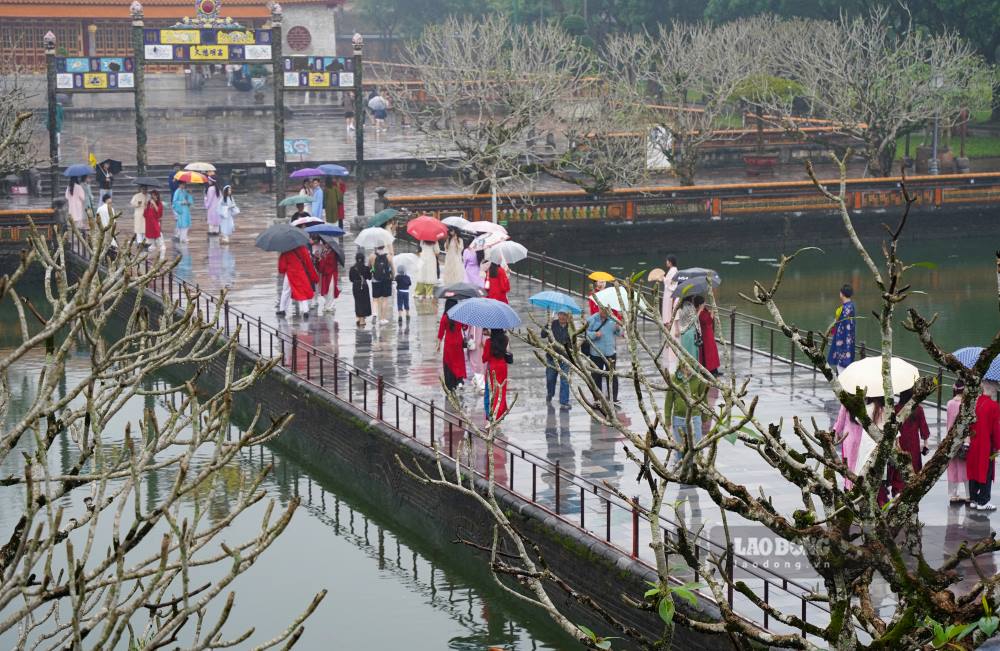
[338, 250]
[281, 238]
[459, 291]
[114, 166]
[695, 286]
[684, 275]
[148, 181]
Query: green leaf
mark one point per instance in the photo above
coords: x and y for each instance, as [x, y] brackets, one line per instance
[651, 592]
[636, 277]
[586, 631]
[988, 625]
[968, 628]
[666, 609]
[603, 644]
[986, 606]
[687, 595]
[925, 265]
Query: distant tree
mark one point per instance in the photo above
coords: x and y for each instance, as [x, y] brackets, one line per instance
[16, 121]
[874, 82]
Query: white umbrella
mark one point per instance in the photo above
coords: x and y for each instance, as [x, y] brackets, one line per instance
[486, 227]
[507, 252]
[377, 103]
[200, 167]
[307, 221]
[487, 240]
[461, 223]
[614, 298]
[866, 375]
[374, 237]
[409, 261]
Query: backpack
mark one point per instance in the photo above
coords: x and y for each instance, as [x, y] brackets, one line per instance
[382, 271]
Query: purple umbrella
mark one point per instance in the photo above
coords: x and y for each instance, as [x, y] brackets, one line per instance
[305, 173]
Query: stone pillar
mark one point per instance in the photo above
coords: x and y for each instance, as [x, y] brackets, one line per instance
[139, 88]
[381, 203]
[278, 78]
[359, 131]
[49, 41]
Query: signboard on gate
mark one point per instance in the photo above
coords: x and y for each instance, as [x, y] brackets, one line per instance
[210, 45]
[295, 146]
[314, 73]
[94, 74]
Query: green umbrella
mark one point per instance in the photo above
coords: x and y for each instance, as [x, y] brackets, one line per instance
[383, 216]
[295, 199]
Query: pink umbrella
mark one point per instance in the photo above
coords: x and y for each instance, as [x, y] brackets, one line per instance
[426, 229]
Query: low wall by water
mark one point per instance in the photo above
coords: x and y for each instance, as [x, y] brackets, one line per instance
[342, 440]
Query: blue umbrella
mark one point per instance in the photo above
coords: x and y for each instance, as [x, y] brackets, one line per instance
[555, 301]
[305, 173]
[485, 313]
[968, 356]
[329, 169]
[325, 229]
[79, 170]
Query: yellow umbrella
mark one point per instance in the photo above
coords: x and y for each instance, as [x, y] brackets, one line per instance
[601, 275]
[186, 176]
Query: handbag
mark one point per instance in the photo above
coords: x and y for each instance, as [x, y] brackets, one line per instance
[508, 357]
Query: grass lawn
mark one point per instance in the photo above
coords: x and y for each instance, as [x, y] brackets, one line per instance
[975, 146]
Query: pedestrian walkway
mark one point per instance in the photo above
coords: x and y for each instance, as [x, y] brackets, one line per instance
[405, 357]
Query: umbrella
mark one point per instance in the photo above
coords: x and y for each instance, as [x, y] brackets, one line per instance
[114, 166]
[698, 272]
[461, 223]
[601, 275]
[968, 356]
[426, 229]
[487, 240]
[555, 301]
[305, 173]
[613, 298]
[329, 169]
[458, 291]
[307, 221]
[324, 229]
[866, 375]
[281, 238]
[295, 200]
[509, 252]
[79, 169]
[184, 176]
[200, 167]
[696, 286]
[485, 227]
[383, 216]
[377, 103]
[409, 261]
[338, 250]
[485, 313]
[656, 275]
[147, 181]
[373, 237]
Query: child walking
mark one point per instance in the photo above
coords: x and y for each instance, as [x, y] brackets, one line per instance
[403, 283]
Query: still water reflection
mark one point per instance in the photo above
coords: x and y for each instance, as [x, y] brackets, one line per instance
[388, 588]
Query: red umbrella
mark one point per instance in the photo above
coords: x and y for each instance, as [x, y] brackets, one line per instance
[427, 229]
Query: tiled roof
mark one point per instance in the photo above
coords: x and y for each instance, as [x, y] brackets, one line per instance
[153, 8]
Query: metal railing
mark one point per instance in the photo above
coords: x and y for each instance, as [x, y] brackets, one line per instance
[589, 507]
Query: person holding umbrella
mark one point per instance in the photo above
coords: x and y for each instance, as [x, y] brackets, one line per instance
[105, 175]
[983, 444]
[557, 332]
[685, 320]
[454, 269]
[138, 203]
[76, 202]
[300, 212]
[497, 283]
[496, 357]
[227, 211]
[299, 275]
[427, 275]
[333, 199]
[913, 435]
[173, 183]
[153, 215]
[602, 333]
[669, 285]
[213, 198]
[181, 207]
[453, 361]
[708, 351]
[473, 261]
[326, 265]
[317, 199]
[841, 352]
[382, 274]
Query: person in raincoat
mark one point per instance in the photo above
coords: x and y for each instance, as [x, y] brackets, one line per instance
[983, 443]
[76, 202]
[138, 204]
[153, 216]
[181, 207]
[496, 358]
[841, 352]
[213, 197]
[227, 211]
[452, 335]
[297, 268]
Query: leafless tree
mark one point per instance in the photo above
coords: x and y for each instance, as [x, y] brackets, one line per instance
[856, 545]
[16, 122]
[494, 94]
[874, 82]
[686, 77]
[95, 559]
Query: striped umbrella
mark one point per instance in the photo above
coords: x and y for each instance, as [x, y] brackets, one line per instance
[187, 176]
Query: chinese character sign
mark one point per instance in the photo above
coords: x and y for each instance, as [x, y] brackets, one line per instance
[198, 45]
[87, 74]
